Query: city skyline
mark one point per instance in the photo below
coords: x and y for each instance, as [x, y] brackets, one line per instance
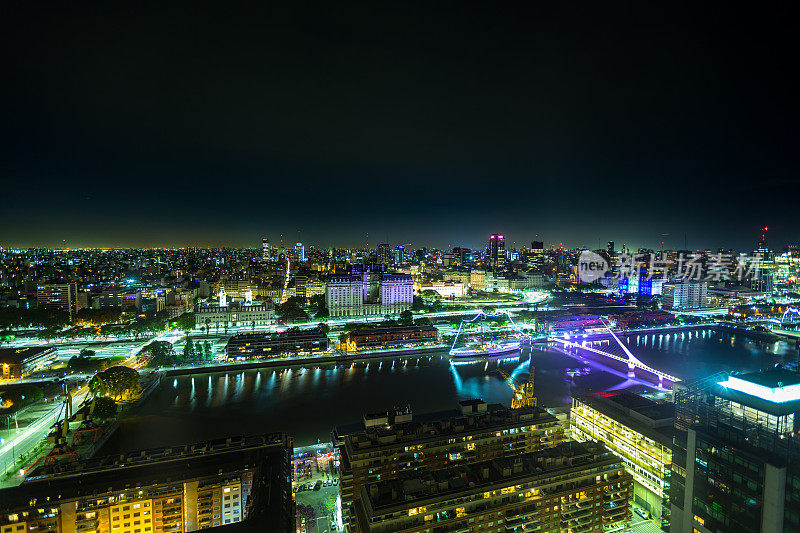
[666, 242]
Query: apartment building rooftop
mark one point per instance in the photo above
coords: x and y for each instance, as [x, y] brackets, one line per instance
[650, 418]
[147, 468]
[432, 426]
[413, 488]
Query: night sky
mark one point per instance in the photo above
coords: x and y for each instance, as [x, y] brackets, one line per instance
[428, 125]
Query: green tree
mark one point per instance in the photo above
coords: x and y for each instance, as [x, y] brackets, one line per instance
[189, 351]
[104, 408]
[324, 328]
[160, 353]
[186, 322]
[117, 382]
[406, 318]
[290, 311]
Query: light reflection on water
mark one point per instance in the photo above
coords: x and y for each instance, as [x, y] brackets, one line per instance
[308, 402]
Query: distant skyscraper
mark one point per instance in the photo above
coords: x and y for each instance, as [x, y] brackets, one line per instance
[384, 253]
[610, 250]
[299, 252]
[461, 255]
[762, 242]
[399, 254]
[537, 247]
[265, 254]
[497, 251]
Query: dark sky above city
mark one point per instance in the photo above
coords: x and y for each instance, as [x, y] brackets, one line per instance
[424, 123]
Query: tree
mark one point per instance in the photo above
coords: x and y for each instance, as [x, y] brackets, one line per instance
[318, 306]
[117, 382]
[418, 303]
[324, 328]
[207, 352]
[85, 362]
[186, 322]
[161, 354]
[406, 317]
[306, 512]
[188, 350]
[104, 408]
[99, 317]
[290, 311]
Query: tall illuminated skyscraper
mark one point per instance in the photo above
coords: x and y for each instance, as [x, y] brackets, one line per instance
[497, 251]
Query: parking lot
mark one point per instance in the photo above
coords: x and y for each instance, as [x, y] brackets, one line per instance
[316, 486]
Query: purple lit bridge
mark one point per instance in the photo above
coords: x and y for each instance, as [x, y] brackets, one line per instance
[619, 358]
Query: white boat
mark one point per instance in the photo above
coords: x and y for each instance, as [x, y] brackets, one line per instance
[485, 349]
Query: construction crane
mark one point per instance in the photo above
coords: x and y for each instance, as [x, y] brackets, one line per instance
[62, 451]
[523, 394]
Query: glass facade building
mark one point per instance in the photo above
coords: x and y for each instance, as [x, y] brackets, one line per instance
[736, 453]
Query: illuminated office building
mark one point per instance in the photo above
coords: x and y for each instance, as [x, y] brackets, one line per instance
[497, 252]
[640, 432]
[736, 453]
[370, 292]
[575, 487]
[177, 489]
[219, 316]
[59, 297]
[387, 444]
[16, 363]
[384, 254]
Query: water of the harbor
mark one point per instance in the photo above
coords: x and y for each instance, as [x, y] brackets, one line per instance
[308, 402]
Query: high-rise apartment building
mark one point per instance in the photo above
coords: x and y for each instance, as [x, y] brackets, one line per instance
[58, 296]
[684, 295]
[640, 432]
[177, 489]
[575, 487]
[736, 454]
[387, 444]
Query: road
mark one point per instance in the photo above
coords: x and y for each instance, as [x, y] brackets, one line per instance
[28, 437]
